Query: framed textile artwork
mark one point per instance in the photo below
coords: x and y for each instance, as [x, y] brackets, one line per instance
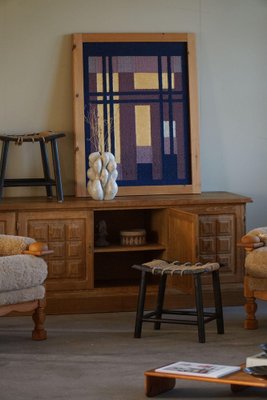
[139, 92]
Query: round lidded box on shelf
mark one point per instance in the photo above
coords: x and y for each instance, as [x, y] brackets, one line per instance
[133, 237]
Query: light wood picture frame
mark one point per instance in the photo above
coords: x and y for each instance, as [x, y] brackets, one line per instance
[144, 88]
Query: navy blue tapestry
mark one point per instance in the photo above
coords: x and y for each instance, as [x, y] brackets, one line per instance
[137, 107]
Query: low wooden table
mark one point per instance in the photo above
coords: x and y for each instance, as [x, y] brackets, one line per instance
[159, 382]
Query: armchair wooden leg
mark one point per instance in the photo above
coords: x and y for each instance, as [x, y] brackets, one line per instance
[251, 308]
[39, 333]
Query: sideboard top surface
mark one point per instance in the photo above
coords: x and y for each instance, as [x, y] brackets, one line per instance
[36, 203]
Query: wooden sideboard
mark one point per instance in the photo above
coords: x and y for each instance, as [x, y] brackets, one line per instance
[84, 278]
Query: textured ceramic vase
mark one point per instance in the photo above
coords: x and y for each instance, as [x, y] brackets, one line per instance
[102, 175]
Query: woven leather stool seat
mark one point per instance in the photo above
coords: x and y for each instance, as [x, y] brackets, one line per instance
[198, 316]
[42, 138]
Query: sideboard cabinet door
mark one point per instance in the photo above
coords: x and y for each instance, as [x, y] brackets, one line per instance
[8, 223]
[182, 244]
[217, 243]
[69, 235]
[203, 237]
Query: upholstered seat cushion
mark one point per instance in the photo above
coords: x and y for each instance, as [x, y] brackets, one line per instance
[262, 231]
[258, 284]
[256, 263]
[22, 295]
[10, 244]
[21, 271]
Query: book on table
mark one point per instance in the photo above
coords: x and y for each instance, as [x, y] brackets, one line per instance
[257, 360]
[198, 369]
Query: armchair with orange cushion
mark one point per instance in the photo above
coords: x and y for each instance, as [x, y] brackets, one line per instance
[255, 280]
[22, 276]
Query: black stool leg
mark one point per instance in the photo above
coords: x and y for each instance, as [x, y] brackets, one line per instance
[47, 176]
[160, 299]
[3, 161]
[140, 306]
[218, 301]
[56, 164]
[199, 308]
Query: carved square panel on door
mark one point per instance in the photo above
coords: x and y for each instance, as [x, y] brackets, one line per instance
[69, 238]
[8, 223]
[216, 242]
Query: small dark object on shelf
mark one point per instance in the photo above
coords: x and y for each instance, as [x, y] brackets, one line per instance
[102, 234]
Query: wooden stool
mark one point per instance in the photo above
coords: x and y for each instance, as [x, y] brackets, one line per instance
[43, 138]
[163, 269]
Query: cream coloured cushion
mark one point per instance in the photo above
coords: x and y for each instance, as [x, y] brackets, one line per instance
[258, 232]
[256, 263]
[259, 284]
[22, 295]
[21, 271]
[10, 244]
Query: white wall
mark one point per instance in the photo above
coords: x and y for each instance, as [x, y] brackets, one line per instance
[36, 81]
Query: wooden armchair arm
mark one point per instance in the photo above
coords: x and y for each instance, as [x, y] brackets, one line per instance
[38, 249]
